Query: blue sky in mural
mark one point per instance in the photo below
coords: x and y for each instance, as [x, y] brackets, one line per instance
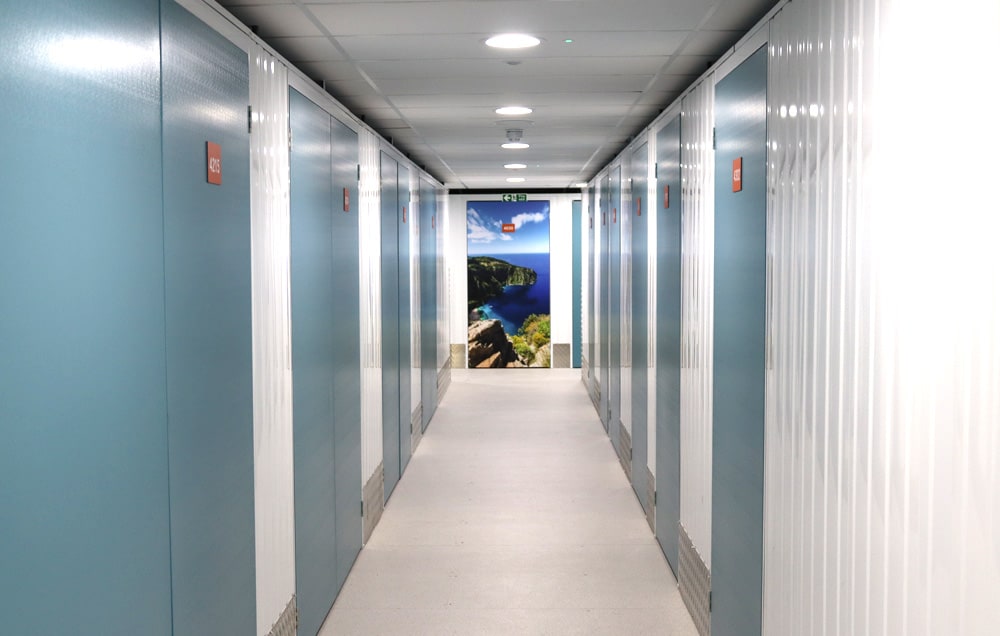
[487, 218]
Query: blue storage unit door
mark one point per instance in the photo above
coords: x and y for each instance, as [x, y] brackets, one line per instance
[738, 358]
[577, 346]
[640, 322]
[391, 220]
[326, 356]
[347, 347]
[405, 319]
[208, 328]
[84, 534]
[668, 338]
[615, 308]
[605, 302]
[428, 301]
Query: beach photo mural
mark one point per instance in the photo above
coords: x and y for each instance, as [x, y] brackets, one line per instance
[509, 302]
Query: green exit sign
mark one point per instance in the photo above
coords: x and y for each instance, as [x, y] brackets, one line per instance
[510, 198]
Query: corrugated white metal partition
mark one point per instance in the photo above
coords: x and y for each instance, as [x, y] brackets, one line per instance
[623, 291]
[443, 227]
[602, 260]
[272, 348]
[413, 211]
[638, 320]
[883, 453]
[371, 305]
[697, 251]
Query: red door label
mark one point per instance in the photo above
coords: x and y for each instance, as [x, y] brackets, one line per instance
[508, 227]
[404, 214]
[638, 206]
[347, 200]
[213, 154]
[738, 174]
[666, 196]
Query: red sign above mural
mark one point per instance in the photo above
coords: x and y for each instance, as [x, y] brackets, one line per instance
[509, 227]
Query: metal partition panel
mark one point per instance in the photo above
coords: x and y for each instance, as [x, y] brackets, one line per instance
[739, 336]
[208, 328]
[614, 306]
[428, 302]
[405, 344]
[605, 302]
[592, 258]
[313, 351]
[391, 394]
[668, 338]
[84, 544]
[577, 350]
[640, 321]
[346, 325]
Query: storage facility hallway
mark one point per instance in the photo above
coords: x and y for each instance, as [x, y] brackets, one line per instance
[514, 517]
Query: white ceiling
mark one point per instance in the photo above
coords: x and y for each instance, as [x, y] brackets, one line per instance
[418, 72]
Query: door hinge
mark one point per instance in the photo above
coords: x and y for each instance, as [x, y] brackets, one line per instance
[362, 507]
[359, 173]
[656, 171]
[656, 495]
[289, 138]
[713, 138]
[249, 119]
[710, 601]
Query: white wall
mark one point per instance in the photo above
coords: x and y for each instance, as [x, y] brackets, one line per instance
[274, 511]
[697, 290]
[370, 193]
[561, 249]
[882, 483]
[441, 221]
[413, 223]
[624, 291]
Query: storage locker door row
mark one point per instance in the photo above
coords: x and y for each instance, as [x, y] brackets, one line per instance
[740, 301]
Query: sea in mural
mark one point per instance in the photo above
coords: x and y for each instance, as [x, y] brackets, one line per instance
[508, 284]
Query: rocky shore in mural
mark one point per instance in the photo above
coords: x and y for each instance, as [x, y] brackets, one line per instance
[489, 347]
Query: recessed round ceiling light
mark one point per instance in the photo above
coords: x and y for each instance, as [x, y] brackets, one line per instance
[515, 166]
[513, 41]
[514, 145]
[515, 179]
[513, 110]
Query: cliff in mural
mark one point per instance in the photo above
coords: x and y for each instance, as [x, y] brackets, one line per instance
[489, 347]
[488, 276]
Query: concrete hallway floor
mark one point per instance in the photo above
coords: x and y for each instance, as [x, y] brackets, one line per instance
[513, 517]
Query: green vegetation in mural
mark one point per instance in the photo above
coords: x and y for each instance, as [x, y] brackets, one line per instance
[532, 341]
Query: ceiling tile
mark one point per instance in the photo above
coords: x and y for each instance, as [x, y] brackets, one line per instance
[708, 42]
[308, 49]
[739, 15]
[485, 18]
[276, 20]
